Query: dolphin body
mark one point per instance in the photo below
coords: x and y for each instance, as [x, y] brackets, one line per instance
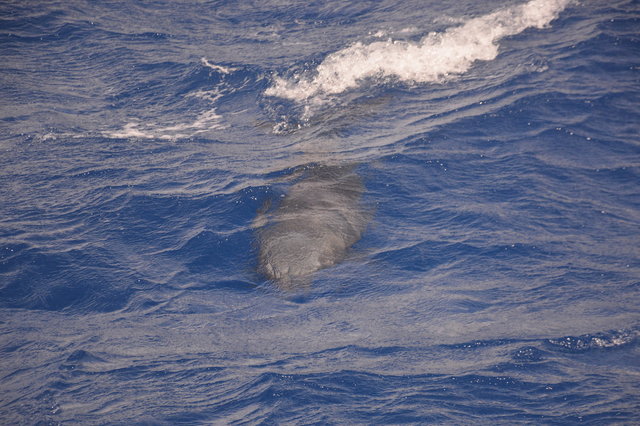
[314, 225]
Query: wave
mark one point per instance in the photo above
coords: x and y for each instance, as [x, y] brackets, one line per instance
[203, 123]
[434, 58]
[612, 339]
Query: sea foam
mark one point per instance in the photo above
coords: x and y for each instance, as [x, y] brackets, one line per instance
[434, 58]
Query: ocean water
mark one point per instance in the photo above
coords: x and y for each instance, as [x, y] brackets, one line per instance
[481, 253]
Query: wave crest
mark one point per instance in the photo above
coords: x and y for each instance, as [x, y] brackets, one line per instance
[435, 57]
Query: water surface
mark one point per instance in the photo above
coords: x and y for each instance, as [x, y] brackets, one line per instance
[496, 279]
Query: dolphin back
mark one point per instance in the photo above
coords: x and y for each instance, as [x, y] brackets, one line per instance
[313, 227]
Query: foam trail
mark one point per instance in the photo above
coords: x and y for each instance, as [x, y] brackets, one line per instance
[219, 68]
[206, 121]
[432, 59]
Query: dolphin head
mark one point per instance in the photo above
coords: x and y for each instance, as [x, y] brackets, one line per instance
[289, 257]
[312, 227]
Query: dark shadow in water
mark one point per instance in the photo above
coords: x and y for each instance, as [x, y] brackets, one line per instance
[318, 220]
[322, 215]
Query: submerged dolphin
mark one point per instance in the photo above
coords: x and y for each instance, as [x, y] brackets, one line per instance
[314, 225]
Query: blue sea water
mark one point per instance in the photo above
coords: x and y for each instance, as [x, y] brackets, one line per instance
[497, 279]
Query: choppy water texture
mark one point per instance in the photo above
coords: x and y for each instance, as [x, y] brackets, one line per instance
[150, 156]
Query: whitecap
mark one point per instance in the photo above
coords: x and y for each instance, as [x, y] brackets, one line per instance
[435, 57]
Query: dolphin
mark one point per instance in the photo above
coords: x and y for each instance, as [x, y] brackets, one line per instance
[318, 220]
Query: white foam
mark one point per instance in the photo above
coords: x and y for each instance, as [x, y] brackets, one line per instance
[434, 58]
[220, 68]
[204, 122]
[130, 130]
